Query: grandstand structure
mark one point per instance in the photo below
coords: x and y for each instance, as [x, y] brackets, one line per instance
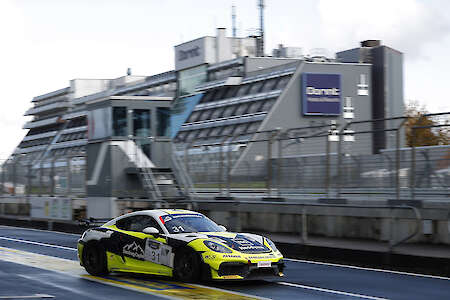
[221, 96]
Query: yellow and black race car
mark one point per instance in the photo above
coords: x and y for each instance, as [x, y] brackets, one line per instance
[182, 244]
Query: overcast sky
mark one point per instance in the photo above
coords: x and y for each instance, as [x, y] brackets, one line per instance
[46, 43]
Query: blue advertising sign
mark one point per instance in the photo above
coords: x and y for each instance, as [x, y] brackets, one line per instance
[321, 94]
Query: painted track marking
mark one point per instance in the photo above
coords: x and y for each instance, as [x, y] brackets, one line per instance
[36, 243]
[330, 291]
[35, 296]
[159, 288]
[39, 230]
[366, 269]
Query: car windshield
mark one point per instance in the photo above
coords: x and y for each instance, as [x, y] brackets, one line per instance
[186, 223]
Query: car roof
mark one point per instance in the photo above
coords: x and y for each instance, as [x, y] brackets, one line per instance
[156, 213]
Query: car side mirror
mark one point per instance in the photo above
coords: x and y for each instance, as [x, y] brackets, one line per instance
[151, 230]
[223, 228]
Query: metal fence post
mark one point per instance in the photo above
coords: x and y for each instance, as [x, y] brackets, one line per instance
[52, 177]
[3, 178]
[221, 168]
[14, 177]
[304, 226]
[413, 165]
[228, 169]
[69, 175]
[269, 166]
[327, 167]
[41, 178]
[279, 165]
[28, 189]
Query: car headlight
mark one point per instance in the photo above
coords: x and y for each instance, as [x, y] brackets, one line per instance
[271, 244]
[216, 247]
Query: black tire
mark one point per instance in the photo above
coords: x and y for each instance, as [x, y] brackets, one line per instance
[94, 259]
[187, 266]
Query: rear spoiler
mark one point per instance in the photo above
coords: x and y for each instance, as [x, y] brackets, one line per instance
[92, 222]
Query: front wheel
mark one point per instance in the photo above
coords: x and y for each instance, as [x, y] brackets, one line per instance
[187, 266]
[94, 259]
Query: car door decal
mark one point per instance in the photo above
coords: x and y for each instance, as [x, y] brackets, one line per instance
[158, 253]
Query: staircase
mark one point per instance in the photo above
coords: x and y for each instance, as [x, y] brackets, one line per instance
[161, 184]
[164, 185]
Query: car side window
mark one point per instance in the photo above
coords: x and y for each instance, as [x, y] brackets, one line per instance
[137, 223]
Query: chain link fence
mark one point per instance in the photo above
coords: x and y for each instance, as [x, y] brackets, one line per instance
[330, 160]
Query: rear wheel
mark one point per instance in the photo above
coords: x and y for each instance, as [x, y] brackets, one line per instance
[94, 259]
[187, 266]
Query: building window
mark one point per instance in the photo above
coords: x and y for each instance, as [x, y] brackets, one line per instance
[230, 92]
[215, 132]
[229, 110]
[283, 82]
[163, 118]
[228, 130]
[141, 123]
[254, 107]
[189, 79]
[242, 108]
[217, 113]
[268, 104]
[243, 90]
[241, 128]
[120, 127]
[205, 115]
[256, 87]
[269, 84]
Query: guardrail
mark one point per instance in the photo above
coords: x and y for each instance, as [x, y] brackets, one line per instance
[305, 210]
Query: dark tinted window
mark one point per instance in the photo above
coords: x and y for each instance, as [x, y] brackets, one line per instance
[194, 116]
[254, 107]
[269, 84]
[215, 131]
[243, 90]
[205, 115]
[217, 113]
[137, 223]
[256, 87]
[120, 121]
[182, 223]
[229, 110]
[242, 108]
[268, 104]
[283, 82]
[230, 92]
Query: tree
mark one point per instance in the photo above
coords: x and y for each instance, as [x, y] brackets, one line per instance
[432, 133]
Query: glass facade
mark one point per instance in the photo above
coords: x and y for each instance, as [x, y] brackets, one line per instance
[163, 118]
[120, 127]
[189, 79]
[141, 123]
[181, 110]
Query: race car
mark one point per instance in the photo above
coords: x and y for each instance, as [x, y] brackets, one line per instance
[182, 244]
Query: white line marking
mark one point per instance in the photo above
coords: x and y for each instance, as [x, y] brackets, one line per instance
[58, 286]
[28, 297]
[41, 230]
[367, 269]
[228, 291]
[330, 291]
[36, 243]
[130, 288]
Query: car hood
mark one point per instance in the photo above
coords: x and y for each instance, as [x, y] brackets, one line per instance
[241, 242]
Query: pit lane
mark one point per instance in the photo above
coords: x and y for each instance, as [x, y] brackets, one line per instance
[43, 264]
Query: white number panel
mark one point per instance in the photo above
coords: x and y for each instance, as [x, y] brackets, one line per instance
[158, 253]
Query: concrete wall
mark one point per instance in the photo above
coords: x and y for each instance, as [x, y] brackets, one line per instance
[349, 223]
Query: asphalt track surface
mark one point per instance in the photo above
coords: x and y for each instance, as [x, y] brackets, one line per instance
[37, 264]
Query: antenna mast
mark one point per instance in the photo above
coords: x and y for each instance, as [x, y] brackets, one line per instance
[260, 45]
[233, 19]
